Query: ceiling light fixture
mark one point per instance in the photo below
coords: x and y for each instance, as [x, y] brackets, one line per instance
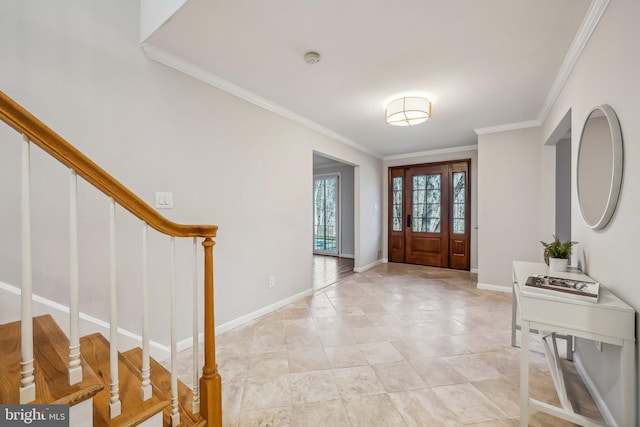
[408, 111]
[312, 57]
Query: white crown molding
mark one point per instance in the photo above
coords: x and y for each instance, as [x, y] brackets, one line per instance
[508, 126]
[432, 152]
[172, 61]
[589, 24]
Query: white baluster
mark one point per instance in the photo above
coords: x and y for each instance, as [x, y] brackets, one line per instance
[27, 384]
[75, 368]
[115, 407]
[146, 389]
[196, 335]
[175, 413]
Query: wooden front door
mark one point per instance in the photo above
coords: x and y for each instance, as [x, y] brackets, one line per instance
[429, 214]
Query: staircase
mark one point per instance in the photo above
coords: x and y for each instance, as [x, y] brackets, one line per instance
[50, 366]
[40, 364]
[52, 383]
[161, 380]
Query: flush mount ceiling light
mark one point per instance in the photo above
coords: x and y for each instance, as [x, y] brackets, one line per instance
[408, 111]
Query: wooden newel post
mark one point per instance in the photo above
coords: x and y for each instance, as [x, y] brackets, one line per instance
[210, 382]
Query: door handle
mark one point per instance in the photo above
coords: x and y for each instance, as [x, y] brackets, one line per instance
[409, 221]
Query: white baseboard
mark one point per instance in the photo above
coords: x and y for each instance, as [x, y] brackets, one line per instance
[126, 338]
[88, 324]
[595, 394]
[384, 260]
[261, 312]
[474, 270]
[188, 343]
[490, 287]
[367, 267]
[350, 256]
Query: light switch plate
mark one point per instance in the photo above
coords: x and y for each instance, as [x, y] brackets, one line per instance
[164, 200]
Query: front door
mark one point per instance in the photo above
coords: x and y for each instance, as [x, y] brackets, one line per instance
[429, 214]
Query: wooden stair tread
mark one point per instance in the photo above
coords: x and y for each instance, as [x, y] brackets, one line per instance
[95, 349]
[161, 381]
[51, 359]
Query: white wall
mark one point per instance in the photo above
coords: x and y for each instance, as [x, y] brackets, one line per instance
[607, 73]
[433, 157]
[510, 224]
[347, 228]
[77, 65]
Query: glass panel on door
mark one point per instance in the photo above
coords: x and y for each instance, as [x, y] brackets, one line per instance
[325, 218]
[397, 203]
[427, 194]
[459, 192]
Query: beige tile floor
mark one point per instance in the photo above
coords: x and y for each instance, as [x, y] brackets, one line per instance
[398, 345]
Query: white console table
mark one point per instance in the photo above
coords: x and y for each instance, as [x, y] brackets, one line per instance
[610, 321]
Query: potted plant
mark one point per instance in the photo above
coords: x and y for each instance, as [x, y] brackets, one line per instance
[559, 253]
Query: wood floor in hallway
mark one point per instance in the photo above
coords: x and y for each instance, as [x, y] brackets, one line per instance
[327, 270]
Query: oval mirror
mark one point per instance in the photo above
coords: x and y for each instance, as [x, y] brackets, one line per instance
[599, 166]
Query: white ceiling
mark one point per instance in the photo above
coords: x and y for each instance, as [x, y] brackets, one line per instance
[482, 63]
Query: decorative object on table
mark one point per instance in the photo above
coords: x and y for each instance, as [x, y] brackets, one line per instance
[558, 253]
[569, 288]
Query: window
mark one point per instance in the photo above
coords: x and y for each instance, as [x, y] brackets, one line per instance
[325, 218]
[459, 194]
[397, 203]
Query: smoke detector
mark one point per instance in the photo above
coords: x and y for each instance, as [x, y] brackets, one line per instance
[311, 57]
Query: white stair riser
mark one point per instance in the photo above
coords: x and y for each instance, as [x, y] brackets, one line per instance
[81, 415]
[155, 421]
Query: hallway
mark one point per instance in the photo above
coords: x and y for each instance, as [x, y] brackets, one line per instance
[398, 345]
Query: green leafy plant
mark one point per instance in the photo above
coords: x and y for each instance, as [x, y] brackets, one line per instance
[558, 249]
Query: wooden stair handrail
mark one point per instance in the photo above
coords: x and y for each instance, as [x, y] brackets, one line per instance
[40, 134]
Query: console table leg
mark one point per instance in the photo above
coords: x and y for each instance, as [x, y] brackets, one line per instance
[628, 375]
[570, 348]
[524, 373]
